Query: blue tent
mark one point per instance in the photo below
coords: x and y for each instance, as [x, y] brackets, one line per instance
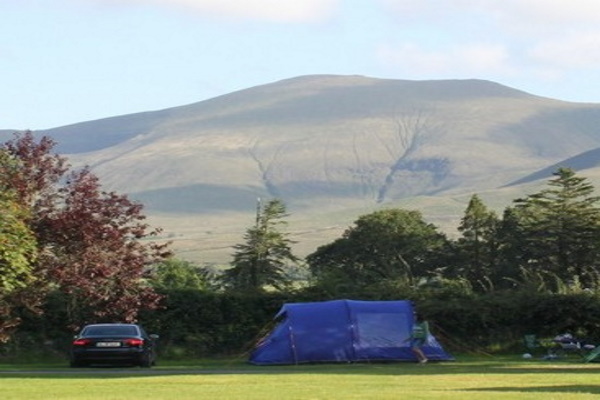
[342, 331]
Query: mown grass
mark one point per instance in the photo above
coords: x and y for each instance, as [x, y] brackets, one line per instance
[466, 378]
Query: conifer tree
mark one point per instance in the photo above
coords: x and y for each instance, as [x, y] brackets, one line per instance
[478, 247]
[562, 227]
[261, 261]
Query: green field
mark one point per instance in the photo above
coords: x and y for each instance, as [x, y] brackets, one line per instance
[466, 378]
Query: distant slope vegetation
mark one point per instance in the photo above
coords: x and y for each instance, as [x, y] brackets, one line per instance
[326, 144]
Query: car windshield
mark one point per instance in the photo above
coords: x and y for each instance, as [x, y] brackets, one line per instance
[110, 330]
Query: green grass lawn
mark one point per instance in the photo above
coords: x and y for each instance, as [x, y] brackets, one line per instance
[466, 378]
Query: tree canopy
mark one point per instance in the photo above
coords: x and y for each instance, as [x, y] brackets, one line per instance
[174, 273]
[18, 251]
[386, 244]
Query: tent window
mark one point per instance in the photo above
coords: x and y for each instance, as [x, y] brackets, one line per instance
[374, 329]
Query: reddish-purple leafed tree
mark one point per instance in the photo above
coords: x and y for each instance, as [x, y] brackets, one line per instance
[93, 244]
[39, 171]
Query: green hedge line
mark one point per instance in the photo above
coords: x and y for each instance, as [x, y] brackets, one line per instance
[198, 324]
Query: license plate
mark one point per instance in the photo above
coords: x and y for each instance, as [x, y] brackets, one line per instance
[108, 344]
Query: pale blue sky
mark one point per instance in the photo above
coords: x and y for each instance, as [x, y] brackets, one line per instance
[68, 61]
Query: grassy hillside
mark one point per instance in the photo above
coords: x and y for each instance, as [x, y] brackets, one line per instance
[332, 148]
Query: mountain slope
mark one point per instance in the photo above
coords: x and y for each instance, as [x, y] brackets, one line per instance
[331, 147]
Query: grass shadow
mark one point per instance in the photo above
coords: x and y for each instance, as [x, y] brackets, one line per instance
[590, 389]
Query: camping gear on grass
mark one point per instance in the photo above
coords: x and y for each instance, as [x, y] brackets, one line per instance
[343, 331]
[561, 346]
[567, 344]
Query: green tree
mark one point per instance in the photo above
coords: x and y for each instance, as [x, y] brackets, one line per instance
[180, 274]
[561, 226]
[513, 255]
[262, 260]
[478, 247]
[18, 250]
[384, 245]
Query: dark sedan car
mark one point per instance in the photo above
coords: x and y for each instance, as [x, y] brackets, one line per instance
[112, 344]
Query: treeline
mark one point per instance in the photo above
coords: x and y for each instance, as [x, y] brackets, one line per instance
[71, 253]
[546, 242]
